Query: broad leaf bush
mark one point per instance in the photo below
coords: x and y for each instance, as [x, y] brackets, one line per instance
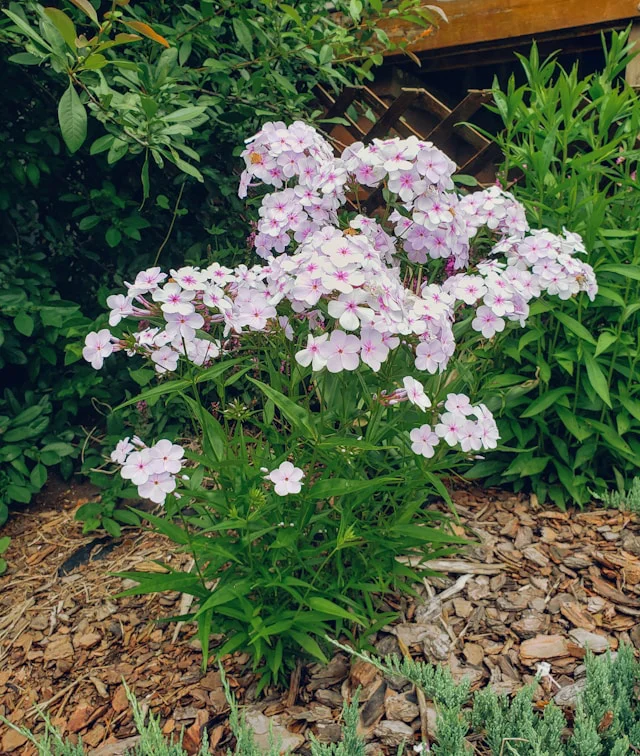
[570, 403]
[340, 366]
[117, 151]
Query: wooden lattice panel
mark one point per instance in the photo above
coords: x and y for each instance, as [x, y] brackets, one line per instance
[472, 152]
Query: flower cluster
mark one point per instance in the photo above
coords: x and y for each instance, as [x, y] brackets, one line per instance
[350, 290]
[153, 469]
[461, 424]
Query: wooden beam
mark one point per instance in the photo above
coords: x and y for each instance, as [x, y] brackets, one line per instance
[633, 69]
[475, 21]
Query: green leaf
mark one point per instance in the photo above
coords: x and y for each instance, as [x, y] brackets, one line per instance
[72, 117]
[24, 323]
[575, 327]
[64, 25]
[184, 114]
[631, 405]
[38, 476]
[605, 340]
[26, 29]
[214, 439]
[243, 34]
[597, 378]
[292, 13]
[299, 417]
[86, 7]
[224, 595]
[309, 645]
[545, 401]
[113, 237]
[18, 493]
[526, 466]
[173, 581]
[4, 544]
[574, 425]
[60, 448]
[325, 606]
[325, 489]
[628, 271]
[425, 534]
[25, 59]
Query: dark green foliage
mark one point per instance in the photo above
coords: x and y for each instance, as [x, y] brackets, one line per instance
[118, 147]
[571, 157]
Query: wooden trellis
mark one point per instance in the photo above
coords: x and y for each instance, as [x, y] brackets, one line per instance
[366, 117]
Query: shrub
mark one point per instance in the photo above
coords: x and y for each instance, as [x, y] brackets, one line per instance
[571, 158]
[627, 501]
[117, 149]
[313, 356]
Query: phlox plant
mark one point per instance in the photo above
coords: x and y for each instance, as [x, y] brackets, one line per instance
[339, 364]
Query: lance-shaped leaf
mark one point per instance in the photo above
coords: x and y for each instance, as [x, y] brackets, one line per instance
[73, 119]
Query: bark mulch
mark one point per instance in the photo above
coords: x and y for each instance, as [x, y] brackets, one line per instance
[540, 585]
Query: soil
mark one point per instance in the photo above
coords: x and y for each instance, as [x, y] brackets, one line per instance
[538, 585]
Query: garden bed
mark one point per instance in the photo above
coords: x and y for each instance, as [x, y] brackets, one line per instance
[539, 586]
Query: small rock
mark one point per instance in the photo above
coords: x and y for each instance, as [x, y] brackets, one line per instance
[59, 647]
[211, 681]
[398, 707]
[387, 644]
[597, 643]
[95, 735]
[529, 626]
[543, 647]
[328, 732]
[262, 727]
[12, 740]
[363, 674]
[473, 653]
[523, 538]
[577, 616]
[373, 710]
[120, 702]
[631, 543]
[81, 715]
[86, 640]
[513, 601]
[120, 748]
[393, 733]
[568, 695]
[463, 607]
[558, 600]
[316, 713]
[478, 588]
[537, 557]
[330, 698]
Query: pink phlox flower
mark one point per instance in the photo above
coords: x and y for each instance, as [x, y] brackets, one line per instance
[287, 479]
[97, 347]
[415, 393]
[373, 349]
[340, 351]
[424, 441]
[122, 450]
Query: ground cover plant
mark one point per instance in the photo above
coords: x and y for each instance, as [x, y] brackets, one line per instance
[571, 157]
[313, 468]
[117, 151]
[607, 718]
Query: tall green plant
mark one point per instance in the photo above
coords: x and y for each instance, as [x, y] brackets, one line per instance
[122, 124]
[571, 156]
